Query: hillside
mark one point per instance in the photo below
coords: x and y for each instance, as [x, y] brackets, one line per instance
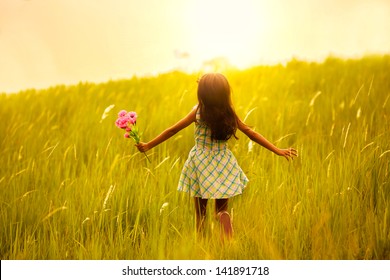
[71, 187]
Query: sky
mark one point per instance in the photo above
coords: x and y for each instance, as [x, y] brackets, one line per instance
[48, 42]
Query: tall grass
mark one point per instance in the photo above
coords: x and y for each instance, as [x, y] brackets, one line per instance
[73, 188]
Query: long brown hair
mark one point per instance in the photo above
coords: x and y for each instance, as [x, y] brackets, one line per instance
[215, 105]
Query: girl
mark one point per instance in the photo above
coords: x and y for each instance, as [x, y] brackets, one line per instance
[211, 170]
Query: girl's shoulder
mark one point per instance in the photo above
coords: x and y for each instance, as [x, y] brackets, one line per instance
[196, 109]
[198, 119]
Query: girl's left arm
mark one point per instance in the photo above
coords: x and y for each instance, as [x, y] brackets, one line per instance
[169, 132]
[289, 153]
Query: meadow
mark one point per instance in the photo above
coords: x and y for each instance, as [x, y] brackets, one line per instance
[72, 187]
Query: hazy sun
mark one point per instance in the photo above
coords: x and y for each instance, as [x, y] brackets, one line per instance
[229, 29]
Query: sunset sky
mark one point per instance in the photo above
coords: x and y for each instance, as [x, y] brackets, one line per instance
[49, 42]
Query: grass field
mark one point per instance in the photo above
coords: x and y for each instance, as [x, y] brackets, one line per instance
[71, 187]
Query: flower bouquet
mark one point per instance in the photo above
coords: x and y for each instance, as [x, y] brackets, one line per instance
[127, 120]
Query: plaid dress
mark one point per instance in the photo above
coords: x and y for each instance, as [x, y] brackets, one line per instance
[211, 170]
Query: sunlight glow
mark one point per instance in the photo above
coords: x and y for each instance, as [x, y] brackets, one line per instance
[229, 29]
[44, 43]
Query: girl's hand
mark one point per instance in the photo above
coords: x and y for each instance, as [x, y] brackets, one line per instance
[142, 147]
[289, 153]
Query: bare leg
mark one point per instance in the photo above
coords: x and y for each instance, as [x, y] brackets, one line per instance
[200, 212]
[221, 206]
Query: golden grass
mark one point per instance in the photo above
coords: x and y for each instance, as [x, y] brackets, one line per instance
[71, 187]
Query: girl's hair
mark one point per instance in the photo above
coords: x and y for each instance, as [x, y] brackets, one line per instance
[215, 106]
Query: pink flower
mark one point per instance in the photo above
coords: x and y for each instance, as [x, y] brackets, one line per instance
[132, 116]
[122, 113]
[127, 120]
[122, 122]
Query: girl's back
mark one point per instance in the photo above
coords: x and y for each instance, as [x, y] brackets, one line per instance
[203, 138]
[211, 170]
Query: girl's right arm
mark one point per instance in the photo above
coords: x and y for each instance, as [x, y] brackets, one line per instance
[261, 140]
[169, 132]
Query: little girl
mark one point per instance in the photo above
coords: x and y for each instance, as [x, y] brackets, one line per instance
[211, 170]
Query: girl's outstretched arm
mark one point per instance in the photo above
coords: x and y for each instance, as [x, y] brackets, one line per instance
[169, 132]
[289, 153]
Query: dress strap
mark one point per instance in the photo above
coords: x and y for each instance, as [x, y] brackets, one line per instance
[197, 112]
